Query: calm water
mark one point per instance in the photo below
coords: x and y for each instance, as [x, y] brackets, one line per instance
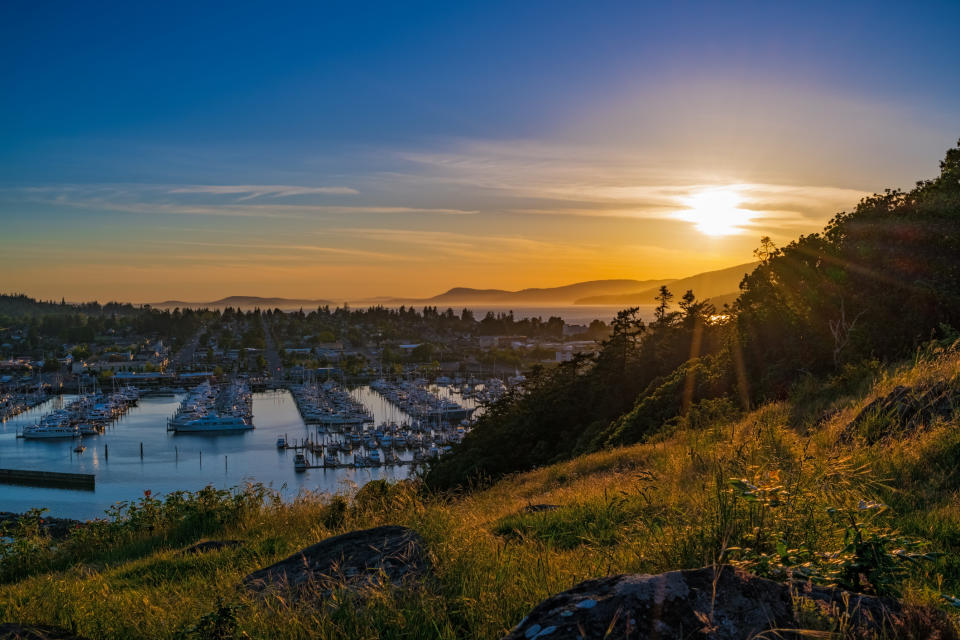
[172, 462]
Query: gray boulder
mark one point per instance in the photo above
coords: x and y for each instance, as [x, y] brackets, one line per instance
[722, 604]
[905, 409]
[355, 561]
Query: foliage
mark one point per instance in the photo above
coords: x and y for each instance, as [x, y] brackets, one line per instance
[580, 405]
[877, 282]
[181, 515]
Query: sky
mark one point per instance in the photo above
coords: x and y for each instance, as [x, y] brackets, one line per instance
[154, 151]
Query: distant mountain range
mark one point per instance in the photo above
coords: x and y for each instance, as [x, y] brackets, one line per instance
[534, 296]
[245, 302]
[720, 286]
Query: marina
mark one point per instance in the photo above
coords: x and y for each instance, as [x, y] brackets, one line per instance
[86, 415]
[345, 435]
[418, 401]
[15, 403]
[209, 409]
[138, 453]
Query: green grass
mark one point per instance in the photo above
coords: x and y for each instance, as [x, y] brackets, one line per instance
[765, 491]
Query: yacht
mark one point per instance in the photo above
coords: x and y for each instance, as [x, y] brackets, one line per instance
[210, 423]
[299, 462]
[40, 431]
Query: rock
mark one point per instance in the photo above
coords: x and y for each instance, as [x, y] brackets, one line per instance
[905, 409]
[213, 545]
[537, 508]
[18, 631]
[866, 612]
[354, 561]
[722, 604]
[872, 616]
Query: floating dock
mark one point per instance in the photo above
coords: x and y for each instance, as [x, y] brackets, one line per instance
[29, 477]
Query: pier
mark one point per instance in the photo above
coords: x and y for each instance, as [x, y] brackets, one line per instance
[34, 478]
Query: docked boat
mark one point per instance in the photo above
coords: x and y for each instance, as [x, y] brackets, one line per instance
[213, 423]
[42, 431]
[299, 462]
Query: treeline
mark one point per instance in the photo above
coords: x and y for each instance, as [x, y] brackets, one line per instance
[876, 283]
[380, 324]
[47, 324]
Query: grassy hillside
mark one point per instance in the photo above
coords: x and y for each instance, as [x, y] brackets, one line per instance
[781, 488]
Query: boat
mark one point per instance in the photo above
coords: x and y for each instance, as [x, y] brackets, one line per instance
[212, 423]
[89, 429]
[281, 443]
[41, 431]
[299, 462]
[79, 448]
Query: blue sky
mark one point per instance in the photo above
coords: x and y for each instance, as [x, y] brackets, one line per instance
[349, 149]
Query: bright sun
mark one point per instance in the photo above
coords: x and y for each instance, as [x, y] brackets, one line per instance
[715, 211]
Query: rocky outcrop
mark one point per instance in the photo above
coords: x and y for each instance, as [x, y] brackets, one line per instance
[905, 409]
[723, 604]
[871, 616]
[17, 631]
[354, 561]
[719, 603]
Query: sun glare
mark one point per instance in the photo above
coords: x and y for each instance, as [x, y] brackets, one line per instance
[716, 212]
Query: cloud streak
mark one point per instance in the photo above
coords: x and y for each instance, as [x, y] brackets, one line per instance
[251, 191]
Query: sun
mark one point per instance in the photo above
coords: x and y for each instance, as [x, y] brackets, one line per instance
[716, 211]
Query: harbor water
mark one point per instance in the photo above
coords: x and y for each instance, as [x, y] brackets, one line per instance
[174, 462]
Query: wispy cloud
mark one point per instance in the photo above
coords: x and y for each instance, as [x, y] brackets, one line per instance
[250, 191]
[176, 200]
